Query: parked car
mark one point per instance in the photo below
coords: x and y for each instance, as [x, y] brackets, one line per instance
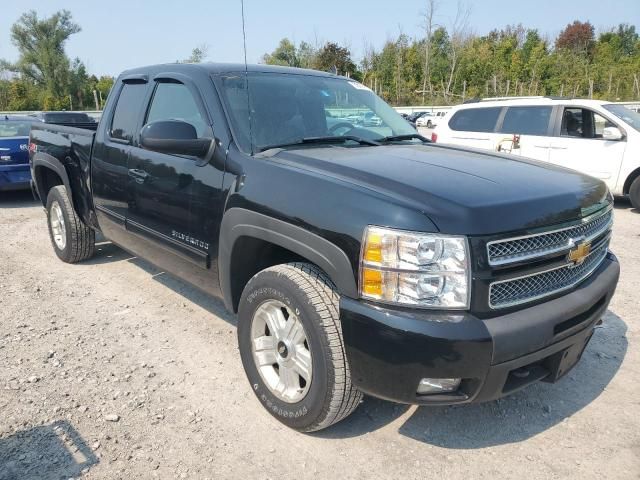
[14, 155]
[595, 137]
[427, 120]
[366, 261]
[370, 119]
[63, 117]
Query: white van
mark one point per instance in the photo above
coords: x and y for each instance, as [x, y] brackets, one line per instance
[598, 138]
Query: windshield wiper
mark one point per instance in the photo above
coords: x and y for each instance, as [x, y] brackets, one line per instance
[399, 138]
[322, 140]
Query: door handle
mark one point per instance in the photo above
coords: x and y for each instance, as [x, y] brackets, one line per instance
[542, 146]
[139, 175]
[559, 148]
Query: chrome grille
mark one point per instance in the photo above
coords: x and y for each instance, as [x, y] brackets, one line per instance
[511, 250]
[507, 293]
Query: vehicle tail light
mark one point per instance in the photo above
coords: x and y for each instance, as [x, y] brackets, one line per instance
[434, 137]
[32, 147]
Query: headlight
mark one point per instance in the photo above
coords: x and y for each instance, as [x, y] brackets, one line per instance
[417, 269]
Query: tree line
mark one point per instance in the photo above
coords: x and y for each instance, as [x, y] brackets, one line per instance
[446, 65]
[44, 77]
[450, 64]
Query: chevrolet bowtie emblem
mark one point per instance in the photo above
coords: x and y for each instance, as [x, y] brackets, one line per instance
[579, 253]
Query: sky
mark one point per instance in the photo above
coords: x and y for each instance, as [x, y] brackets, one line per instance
[121, 34]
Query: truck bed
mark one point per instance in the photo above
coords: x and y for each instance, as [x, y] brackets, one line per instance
[71, 147]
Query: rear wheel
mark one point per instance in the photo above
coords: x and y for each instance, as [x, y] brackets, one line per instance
[72, 240]
[291, 346]
[634, 193]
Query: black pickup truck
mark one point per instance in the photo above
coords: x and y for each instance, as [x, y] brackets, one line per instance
[359, 257]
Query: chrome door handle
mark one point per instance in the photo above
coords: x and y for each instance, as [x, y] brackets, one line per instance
[139, 175]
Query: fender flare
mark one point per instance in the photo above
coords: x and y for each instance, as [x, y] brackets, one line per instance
[52, 163]
[239, 222]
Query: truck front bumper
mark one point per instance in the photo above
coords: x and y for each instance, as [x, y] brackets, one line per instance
[14, 177]
[390, 350]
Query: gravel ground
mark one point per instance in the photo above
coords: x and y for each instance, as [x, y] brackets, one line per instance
[112, 369]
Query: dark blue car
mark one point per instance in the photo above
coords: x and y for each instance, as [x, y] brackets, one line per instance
[14, 152]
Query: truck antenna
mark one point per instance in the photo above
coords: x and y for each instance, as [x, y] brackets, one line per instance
[246, 75]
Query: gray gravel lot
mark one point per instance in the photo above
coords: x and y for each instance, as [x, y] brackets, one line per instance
[113, 369]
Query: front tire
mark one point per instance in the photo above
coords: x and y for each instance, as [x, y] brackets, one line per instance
[634, 193]
[72, 240]
[291, 345]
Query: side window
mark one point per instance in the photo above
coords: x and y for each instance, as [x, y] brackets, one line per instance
[475, 119]
[583, 123]
[125, 116]
[173, 101]
[526, 120]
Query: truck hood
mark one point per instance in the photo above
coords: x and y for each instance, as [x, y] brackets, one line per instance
[462, 191]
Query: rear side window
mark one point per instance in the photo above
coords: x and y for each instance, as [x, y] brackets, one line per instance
[125, 116]
[526, 120]
[475, 119]
[173, 101]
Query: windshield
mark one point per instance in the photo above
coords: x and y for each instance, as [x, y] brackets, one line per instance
[287, 108]
[14, 129]
[625, 114]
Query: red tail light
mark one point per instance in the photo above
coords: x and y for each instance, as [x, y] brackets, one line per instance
[33, 147]
[434, 137]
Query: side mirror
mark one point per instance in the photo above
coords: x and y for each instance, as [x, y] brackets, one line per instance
[612, 133]
[174, 137]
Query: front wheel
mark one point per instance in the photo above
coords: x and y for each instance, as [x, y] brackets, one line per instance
[634, 194]
[291, 346]
[72, 240]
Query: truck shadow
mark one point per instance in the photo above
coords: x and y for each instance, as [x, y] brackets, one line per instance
[48, 451]
[18, 199]
[508, 420]
[107, 252]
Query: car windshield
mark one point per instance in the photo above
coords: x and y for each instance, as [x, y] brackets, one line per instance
[288, 108]
[625, 114]
[14, 129]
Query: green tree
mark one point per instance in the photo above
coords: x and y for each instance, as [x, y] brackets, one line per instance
[285, 54]
[40, 43]
[333, 55]
[198, 54]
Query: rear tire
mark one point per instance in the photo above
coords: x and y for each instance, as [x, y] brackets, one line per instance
[634, 193]
[72, 240]
[302, 294]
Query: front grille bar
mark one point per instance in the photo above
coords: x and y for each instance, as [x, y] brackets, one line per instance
[529, 247]
[527, 288]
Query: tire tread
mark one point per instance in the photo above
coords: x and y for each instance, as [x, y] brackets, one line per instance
[83, 238]
[323, 296]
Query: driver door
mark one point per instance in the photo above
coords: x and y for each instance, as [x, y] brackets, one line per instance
[163, 188]
[579, 145]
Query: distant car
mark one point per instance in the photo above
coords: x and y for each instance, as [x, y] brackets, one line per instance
[370, 119]
[427, 119]
[14, 152]
[595, 137]
[63, 117]
[414, 116]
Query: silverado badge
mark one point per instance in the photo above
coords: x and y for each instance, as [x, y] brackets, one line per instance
[578, 254]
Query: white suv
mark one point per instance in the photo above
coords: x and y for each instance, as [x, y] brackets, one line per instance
[598, 138]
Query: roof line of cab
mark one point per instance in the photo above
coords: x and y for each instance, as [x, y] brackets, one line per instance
[218, 68]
